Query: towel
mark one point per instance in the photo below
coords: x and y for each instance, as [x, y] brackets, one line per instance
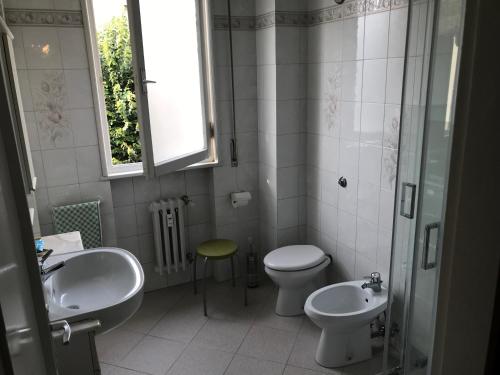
[82, 217]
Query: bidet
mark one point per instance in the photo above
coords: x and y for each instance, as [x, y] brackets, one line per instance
[344, 311]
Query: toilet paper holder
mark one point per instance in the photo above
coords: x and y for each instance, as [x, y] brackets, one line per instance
[241, 198]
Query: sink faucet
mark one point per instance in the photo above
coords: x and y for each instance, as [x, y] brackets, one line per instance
[375, 282]
[47, 272]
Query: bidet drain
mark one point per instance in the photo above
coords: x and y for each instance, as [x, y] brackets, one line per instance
[73, 307]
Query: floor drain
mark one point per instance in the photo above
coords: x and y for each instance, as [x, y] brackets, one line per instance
[73, 307]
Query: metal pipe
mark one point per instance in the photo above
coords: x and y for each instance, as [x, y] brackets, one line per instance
[234, 149]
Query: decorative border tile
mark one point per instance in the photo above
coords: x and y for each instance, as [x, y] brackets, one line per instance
[237, 22]
[376, 6]
[350, 9]
[42, 17]
[355, 8]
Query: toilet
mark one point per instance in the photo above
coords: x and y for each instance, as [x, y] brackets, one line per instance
[344, 311]
[295, 269]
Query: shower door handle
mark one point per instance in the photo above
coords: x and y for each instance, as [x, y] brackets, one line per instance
[426, 264]
[402, 208]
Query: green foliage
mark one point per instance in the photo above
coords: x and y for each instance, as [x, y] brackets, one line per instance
[115, 54]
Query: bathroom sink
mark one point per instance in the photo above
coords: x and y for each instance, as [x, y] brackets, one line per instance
[103, 283]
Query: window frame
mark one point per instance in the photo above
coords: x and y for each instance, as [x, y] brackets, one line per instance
[110, 170]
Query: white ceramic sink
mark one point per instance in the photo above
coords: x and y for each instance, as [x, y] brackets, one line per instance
[104, 283]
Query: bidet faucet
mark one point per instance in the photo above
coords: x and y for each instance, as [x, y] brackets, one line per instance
[45, 273]
[375, 282]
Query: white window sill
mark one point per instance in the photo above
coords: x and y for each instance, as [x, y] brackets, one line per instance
[138, 171]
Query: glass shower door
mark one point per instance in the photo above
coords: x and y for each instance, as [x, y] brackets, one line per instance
[432, 59]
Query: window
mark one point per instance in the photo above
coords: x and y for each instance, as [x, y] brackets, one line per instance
[153, 84]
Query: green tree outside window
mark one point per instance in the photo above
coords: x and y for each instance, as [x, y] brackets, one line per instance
[115, 55]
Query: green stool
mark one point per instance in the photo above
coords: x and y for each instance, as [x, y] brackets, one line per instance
[214, 250]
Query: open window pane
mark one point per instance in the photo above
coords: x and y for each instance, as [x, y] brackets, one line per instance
[173, 78]
[117, 80]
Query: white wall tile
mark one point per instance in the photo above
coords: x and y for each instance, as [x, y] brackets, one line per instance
[391, 125]
[41, 47]
[123, 192]
[245, 82]
[353, 38]
[73, 49]
[244, 48]
[267, 116]
[18, 46]
[348, 159]
[347, 229]
[88, 164]
[78, 88]
[197, 181]
[368, 201]
[372, 123]
[92, 191]
[397, 32]
[172, 185]
[84, 126]
[60, 167]
[394, 90]
[25, 89]
[370, 158]
[329, 220]
[288, 182]
[386, 209]
[63, 195]
[351, 121]
[146, 190]
[224, 181]
[329, 153]
[348, 197]
[290, 81]
[374, 80]
[389, 168]
[291, 44]
[367, 239]
[288, 212]
[352, 79]
[376, 35]
[266, 46]
[126, 223]
[266, 82]
[248, 147]
[329, 188]
[288, 150]
[291, 117]
[32, 128]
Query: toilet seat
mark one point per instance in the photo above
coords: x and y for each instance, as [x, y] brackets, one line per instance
[294, 258]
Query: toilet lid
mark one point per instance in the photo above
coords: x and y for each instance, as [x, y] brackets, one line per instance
[294, 258]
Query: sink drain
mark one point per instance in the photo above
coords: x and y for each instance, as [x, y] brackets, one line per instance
[73, 307]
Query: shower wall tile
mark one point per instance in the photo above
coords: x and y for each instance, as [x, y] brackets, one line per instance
[376, 36]
[354, 84]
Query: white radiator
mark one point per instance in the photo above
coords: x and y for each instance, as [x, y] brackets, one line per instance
[169, 235]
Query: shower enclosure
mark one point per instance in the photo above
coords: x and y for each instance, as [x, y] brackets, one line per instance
[431, 69]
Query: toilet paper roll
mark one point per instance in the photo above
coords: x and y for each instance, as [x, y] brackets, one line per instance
[240, 198]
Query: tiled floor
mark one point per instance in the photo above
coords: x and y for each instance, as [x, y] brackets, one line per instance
[170, 335]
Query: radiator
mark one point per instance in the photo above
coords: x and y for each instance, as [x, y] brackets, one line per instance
[169, 235]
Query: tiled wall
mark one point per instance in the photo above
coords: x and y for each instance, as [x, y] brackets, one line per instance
[57, 101]
[355, 69]
[240, 223]
[134, 228]
[317, 94]
[282, 112]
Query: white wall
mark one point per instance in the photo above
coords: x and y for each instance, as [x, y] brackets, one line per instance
[58, 106]
[355, 68]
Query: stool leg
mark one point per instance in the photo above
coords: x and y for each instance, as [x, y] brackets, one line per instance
[194, 275]
[245, 286]
[232, 271]
[205, 286]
